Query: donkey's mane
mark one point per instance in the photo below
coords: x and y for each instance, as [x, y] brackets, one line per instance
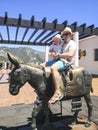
[33, 65]
[37, 69]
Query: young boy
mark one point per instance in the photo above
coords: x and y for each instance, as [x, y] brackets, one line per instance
[55, 48]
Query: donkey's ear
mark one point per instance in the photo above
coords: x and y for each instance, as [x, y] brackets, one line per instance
[12, 59]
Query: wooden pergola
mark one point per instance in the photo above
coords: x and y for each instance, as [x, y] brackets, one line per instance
[42, 31]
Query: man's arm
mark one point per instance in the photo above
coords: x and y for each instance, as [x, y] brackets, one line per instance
[67, 54]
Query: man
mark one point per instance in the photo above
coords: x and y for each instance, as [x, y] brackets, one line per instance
[68, 55]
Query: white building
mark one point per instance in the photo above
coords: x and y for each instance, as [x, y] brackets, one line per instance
[90, 60]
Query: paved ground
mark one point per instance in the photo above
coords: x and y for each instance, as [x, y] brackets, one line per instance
[15, 111]
[26, 95]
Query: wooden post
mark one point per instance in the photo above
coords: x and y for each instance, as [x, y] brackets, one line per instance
[76, 39]
[46, 53]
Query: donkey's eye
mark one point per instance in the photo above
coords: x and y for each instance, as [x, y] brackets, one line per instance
[16, 74]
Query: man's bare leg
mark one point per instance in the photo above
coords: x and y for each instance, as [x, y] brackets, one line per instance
[43, 64]
[56, 78]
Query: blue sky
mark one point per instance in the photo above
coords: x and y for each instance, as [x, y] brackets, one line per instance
[84, 11]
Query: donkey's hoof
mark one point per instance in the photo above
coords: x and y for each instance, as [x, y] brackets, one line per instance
[87, 124]
[33, 127]
[74, 123]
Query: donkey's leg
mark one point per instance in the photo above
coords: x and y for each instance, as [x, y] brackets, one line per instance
[35, 112]
[74, 120]
[90, 108]
[89, 105]
[76, 107]
[45, 109]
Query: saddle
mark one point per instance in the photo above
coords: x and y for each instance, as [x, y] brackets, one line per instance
[72, 81]
[75, 82]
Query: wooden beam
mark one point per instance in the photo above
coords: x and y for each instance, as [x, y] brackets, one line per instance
[27, 24]
[24, 34]
[17, 30]
[47, 36]
[42, 33]
[24, 43]
[5, 21]
[8, 33]
[1, 37]
[50, 38]
[35, 31]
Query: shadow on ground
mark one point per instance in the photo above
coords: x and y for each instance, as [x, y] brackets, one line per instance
[18, 117]
[57, 123]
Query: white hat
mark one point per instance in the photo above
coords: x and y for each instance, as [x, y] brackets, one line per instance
[67, 30]
[58, 36]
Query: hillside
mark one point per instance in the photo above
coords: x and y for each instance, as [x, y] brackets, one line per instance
[25, 54]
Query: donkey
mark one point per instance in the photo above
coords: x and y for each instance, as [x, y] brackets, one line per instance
[44, 87]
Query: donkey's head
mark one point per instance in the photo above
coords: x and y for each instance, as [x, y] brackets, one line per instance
[17, 77]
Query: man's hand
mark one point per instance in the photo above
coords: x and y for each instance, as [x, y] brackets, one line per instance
[53, 54]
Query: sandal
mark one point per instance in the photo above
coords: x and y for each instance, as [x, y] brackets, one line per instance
[56, 97]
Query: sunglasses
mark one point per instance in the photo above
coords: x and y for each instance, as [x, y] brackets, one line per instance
[66, 34]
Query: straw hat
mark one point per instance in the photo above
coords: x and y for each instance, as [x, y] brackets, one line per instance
[58, 36]
[67, 30]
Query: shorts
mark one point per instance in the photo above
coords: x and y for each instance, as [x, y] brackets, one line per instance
[51, 62]
[60, 63]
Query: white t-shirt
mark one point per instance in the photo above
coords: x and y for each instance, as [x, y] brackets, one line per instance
[58, 49]
[71, 45]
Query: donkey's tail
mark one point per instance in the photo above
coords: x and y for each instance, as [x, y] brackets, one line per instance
[88, 80]
[92, 90]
